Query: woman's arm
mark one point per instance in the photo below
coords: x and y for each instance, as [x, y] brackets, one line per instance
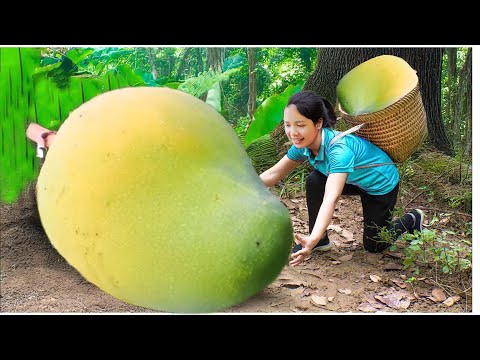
[278, 171]
[333, 190]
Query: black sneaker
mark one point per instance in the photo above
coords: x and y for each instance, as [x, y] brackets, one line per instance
[418, 216]
[323, 245]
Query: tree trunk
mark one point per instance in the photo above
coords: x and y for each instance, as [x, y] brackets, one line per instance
[183, 64]
[152, 64]
[464, 100]
[215, 58]
[305, 56]
[199, 62]
[252, 82]
[452, 77]
[334, 63]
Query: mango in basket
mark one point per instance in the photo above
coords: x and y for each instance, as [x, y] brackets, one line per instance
[375, 84]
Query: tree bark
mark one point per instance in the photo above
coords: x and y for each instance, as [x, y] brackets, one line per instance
[252, 82]
[334, 63]
[152, 64]
[305, 56]
[465, 102]
[215, 58]
[199, 62]
[452, 77]
[183, 63]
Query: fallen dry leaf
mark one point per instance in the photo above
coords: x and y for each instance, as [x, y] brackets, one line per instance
[366, 307]
[309, 272]
[374, 303]
[345, 257]
[438, 295]
[444, 221]
[291, 283]
[348, 235]
[375, 278]
[337, 243]
[284, 277]
[394, 300]
[288, 204]
[335, 228]
[451, 300]
[393, 254]
[392, 266]
[318, 300]
[399, 283]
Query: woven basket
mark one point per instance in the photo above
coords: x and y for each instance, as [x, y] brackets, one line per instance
[399, 129]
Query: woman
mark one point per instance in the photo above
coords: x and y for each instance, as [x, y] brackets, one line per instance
[343, 167]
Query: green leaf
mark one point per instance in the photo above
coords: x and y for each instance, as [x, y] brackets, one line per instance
[18, 164]
[78, 54]
[269, 114]
[47, 68]
[173, 84]
[202, 83]
[130, 76]
[234, 62]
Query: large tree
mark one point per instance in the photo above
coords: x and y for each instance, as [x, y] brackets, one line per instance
[252, 82]
[215, 58]
[334, 63]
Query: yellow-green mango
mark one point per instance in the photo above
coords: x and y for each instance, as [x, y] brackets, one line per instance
[150, 195]
[375, 84]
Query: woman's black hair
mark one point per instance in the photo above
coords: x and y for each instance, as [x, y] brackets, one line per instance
[314, 107]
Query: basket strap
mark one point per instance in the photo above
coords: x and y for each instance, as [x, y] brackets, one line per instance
[342, 134]
[349, 131]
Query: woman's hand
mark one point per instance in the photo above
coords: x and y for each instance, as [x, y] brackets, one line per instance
[308, 243]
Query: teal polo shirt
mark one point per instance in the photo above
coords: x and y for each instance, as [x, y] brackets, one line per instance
[347, 153]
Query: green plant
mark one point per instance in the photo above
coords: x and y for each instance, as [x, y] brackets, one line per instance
[270, 113]
[294, 183]
[438, 251]
[462, 201]
[242, 126]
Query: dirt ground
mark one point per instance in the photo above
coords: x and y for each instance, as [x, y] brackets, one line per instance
[347, 279]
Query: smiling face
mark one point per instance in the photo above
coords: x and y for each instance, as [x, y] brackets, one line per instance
[301, 130]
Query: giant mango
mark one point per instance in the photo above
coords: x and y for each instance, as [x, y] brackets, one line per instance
[150, 195]
[375, 84]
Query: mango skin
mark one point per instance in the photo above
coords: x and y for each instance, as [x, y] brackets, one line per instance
[375, 84]
[150, 195]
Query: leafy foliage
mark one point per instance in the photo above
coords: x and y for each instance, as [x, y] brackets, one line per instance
[269, 114]
[431, 249]
[45, 97]
[17, 105]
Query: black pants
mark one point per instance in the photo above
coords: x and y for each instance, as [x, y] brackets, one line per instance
[377, 211]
